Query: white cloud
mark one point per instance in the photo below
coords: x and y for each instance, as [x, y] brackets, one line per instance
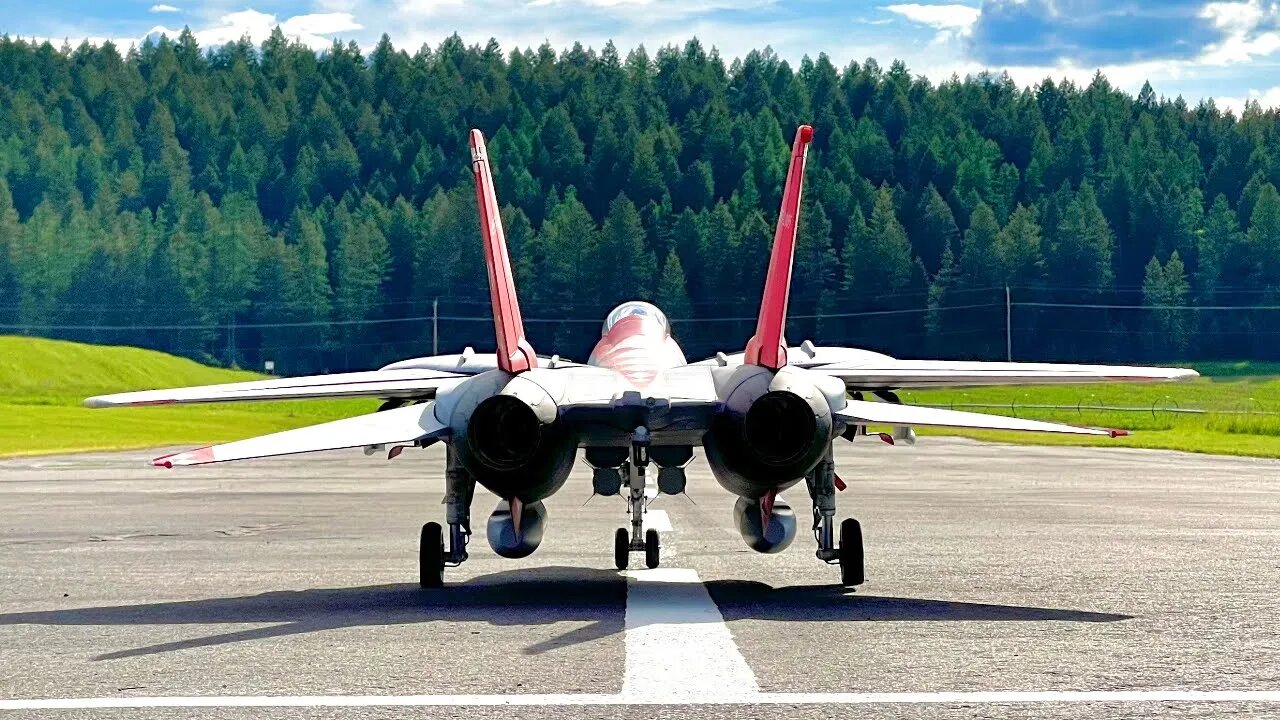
[1240, 23]
[953, 18]
[1269, 98]
[164, 9]
[310, 30]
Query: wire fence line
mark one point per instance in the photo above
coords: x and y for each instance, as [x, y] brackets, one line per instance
[600, 320]
[971, 324]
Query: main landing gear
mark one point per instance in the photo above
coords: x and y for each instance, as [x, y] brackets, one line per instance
[637, 539]
[433, 556]
[848, 554]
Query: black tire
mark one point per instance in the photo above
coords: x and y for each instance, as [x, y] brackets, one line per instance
[652, 549]
[431, 556]
[621, 548]
[852, 571]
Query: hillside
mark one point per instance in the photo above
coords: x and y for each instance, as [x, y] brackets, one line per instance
[42, 383]
[41, 367]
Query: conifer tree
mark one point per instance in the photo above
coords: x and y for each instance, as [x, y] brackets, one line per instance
[671, 295]
[621, 249]
[1080, 254]
[979, 261]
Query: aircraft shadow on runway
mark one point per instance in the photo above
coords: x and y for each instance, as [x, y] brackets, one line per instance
[534, 596]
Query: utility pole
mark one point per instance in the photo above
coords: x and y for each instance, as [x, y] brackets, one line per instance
[1008, 326]
[231, 342]
[435, 326]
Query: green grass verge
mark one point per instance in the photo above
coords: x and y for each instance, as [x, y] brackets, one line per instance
[1237, 400]
[43, 382]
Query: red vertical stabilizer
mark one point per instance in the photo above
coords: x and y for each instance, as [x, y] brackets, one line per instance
[515, 355]
[767, 348]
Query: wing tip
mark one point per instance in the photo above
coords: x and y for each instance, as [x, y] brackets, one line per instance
[198, 456]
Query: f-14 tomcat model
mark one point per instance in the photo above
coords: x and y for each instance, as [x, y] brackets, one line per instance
[513, 421]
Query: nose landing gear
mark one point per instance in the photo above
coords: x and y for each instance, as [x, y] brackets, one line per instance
[637, 539]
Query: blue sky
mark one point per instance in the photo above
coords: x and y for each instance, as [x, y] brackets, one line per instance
[1228, 49]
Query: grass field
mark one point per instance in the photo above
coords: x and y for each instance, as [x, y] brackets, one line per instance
[1241, 411]
[42, 384]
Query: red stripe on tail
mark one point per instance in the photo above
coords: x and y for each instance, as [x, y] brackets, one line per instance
[515, 354]
[767, 348]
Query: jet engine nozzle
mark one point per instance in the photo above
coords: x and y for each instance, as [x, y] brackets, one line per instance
[774, 428]
[507, 432]
[516, 541]
[763, 533]
[504, 433]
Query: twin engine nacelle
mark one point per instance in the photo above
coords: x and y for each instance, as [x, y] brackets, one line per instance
[507, 432]
[773, 429]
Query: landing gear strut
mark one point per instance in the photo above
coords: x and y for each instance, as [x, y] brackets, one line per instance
[433, 557]
[848, 554]
[637, 540]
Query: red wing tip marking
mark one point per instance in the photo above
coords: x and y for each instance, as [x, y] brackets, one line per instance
[806, 134]
[1119, 433]
[199, 456]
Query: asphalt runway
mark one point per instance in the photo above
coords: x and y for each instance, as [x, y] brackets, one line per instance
[1099, 582]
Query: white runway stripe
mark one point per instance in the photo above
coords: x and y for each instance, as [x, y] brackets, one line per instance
[719, 698]
[657, 520]
[678, 646]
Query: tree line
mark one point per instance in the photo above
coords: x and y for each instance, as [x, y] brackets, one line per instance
[244, 203]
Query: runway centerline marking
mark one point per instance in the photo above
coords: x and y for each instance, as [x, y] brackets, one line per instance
[657, 520]
[996, 697]
[678, 645]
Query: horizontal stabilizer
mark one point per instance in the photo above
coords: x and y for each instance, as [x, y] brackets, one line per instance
[389, 427]
[891, 373]
[860, 412]
[414, 384]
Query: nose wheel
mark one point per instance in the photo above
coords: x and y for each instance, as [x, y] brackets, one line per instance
[637, 539]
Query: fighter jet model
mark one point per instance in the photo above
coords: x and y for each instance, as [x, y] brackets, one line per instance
[513, 421]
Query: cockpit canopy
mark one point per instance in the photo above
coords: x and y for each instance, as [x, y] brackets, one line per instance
[635, 307]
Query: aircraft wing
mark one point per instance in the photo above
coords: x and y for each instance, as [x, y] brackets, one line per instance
[389, 427]
[889, 374]
[409, 384]
[860, 412]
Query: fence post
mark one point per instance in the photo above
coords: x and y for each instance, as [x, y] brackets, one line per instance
[435, 326]
[1008, 326]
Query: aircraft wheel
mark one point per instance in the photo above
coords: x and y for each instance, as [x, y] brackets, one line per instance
[651, 549]
[621, 548]
[431, 556]
[852, 571]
